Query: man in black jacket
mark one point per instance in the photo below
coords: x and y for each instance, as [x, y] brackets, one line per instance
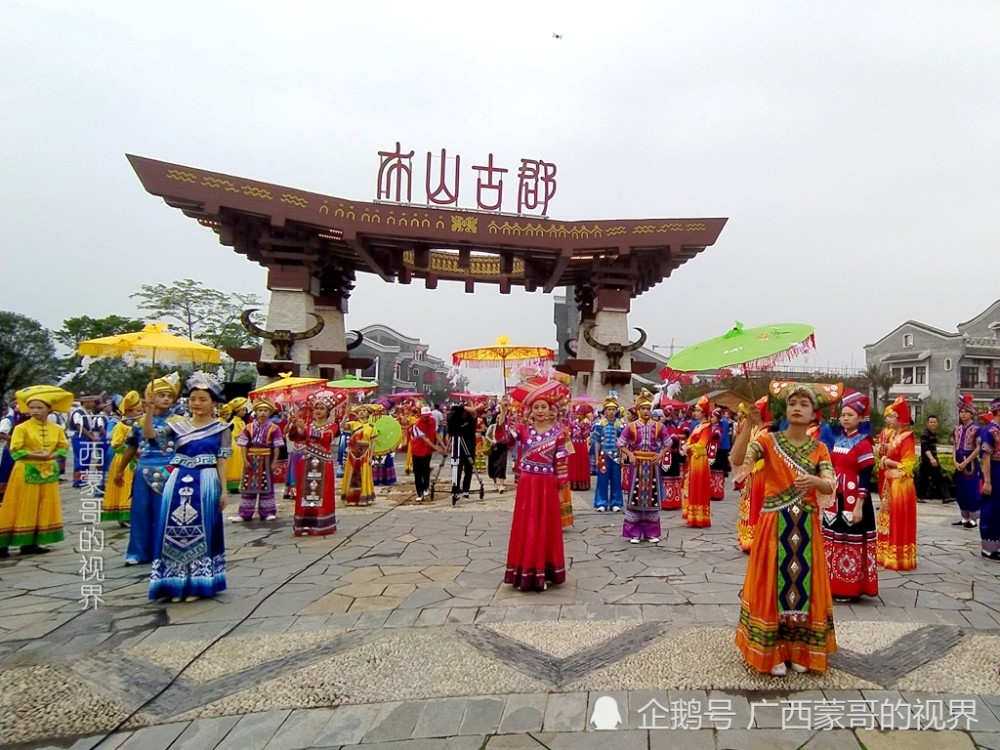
[932, 484]
[462, 443]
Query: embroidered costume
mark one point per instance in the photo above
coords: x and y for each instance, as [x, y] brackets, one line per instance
[968, 481]
[646, 440]
[701, 447]
[117, 505]
[31, 513]
[189, 542]
[896, 523]
[259, 442]
[535, 554]
[315, 496]
[786, 612]
[989, 523]
[850, 543]
[150, 474]
[358, 487]
[604, 439]
[752, 491]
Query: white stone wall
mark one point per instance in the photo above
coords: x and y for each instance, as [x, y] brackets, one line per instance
[290, 310]
[610, 326]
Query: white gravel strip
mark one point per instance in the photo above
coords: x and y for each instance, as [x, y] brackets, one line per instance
[565, 638]
[704, 659]
[230, 654]
[404, 666]
[970, 667]
[872, 637]
[45, 701]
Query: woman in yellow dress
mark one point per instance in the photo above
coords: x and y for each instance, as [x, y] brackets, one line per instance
[117, 505]
[237, 421]
[31, 514]
[358, 487]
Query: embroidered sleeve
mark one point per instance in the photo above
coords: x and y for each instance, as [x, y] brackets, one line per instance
[866, 454]
[226, 444]
[864, 481]
[277, 439]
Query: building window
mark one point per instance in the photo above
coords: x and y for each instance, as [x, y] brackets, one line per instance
[907, 340]
[907, 376]
[920, 375]
[916, 412]
[947, 364]
[897, 375]
[968, 377]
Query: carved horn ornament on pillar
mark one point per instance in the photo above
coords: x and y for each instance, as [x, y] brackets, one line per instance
[359, 339]
[282, 339]
[614, 351]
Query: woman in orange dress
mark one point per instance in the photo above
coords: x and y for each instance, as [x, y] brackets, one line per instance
[896, 523]
[786, 612]
[752, 493]
[700, 449]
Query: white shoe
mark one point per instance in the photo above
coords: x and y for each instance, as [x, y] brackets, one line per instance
[616, 509]
[235, 519]
[601, 510]
[636, 540]
[799, 668]
[779, 670]
[271, 518]
[653, 540]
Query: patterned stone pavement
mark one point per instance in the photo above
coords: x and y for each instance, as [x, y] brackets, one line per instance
[396, 633]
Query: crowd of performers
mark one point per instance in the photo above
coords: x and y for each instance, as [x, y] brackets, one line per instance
[806, 515]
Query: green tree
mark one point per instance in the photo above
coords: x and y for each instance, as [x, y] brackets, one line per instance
[208, 316]
[82, 328]
[879, 381]
[27, 353]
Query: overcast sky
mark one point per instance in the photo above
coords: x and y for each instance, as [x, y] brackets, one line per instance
[854, 147]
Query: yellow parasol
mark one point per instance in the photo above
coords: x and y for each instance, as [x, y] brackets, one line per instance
[152, 344]
[503, 354]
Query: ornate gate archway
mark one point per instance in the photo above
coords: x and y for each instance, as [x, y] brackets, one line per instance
[313, 247]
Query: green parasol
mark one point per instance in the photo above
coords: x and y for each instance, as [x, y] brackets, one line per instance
[749, 348]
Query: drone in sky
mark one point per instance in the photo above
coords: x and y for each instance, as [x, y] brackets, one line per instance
[556, 35]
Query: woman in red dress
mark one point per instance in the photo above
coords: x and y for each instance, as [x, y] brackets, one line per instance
[535, 555]
[849, 526]
[315, 494]
[896, 523]
[700, 449]
[579, 462]
[752, 492]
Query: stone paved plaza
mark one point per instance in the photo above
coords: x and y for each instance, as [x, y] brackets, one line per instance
[396, 632]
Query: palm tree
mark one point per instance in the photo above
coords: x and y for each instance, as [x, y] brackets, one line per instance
[879, 380]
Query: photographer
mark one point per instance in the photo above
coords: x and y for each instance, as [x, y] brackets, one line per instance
[462, 441]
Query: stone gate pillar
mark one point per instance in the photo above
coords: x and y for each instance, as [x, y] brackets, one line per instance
[609, 317]
[294, 298]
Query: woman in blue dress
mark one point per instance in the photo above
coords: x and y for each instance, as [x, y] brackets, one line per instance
[151, 469]
[189, 545]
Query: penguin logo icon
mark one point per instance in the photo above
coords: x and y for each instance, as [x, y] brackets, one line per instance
[606, 715]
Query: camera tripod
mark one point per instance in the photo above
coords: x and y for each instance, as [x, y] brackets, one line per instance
[458, 449]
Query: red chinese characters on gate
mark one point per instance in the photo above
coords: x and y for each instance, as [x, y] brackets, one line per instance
[536, 181]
